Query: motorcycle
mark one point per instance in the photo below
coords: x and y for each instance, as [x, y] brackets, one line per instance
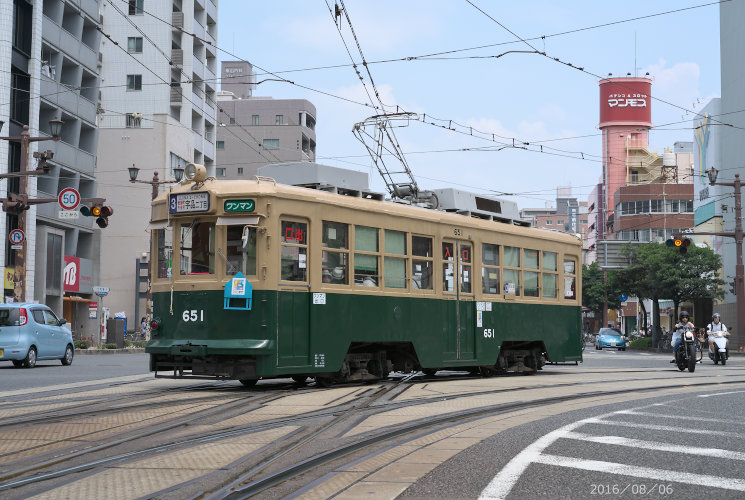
[685, 355]
[720, 346]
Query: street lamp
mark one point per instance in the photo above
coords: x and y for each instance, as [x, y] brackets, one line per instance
[739, 269]
[178, 173]
[25, 139]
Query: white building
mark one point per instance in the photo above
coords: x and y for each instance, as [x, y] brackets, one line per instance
[157, 112]
[49, 67]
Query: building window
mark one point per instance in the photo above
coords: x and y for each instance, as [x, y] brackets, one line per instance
[134, 120]
[134, 44]
[559, 222]
[22, 27]
[634, 176]
[220, 172]
[240, 170]
[134, 82]
[279, 120]
[549, 222]
[177, 162]
[254, 119]
[271, 143]
[220, 145]
[54, 262]
[136, 7]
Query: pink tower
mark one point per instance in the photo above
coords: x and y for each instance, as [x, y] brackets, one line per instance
[625, 120]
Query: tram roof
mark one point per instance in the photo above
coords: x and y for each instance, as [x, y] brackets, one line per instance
[236, 188]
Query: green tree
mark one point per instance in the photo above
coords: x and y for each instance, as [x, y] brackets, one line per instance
[595, 284]
[657, 271]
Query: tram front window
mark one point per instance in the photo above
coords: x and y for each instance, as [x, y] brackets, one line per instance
[197, 249]
[241, 252]
[164, 239]
[294, 251]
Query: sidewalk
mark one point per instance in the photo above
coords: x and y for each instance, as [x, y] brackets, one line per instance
[126, 350]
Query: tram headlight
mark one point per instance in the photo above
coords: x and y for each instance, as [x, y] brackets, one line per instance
[195, 172]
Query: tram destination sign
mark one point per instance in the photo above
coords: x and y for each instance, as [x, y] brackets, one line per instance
[188, 202]
[240, 205]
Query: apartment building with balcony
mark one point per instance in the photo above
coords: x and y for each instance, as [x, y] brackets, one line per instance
[49, 61]
[257, 131]
[158, 112]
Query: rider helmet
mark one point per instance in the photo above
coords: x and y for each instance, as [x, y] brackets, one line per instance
[715, 316]
[684, 314]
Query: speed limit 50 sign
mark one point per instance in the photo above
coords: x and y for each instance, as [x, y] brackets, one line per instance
[69, 198]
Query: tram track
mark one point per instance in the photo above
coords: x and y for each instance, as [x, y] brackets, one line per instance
[316, 426]
[244, 487]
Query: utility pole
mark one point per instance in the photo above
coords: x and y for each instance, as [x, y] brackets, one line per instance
[21, 200]
[739, 268]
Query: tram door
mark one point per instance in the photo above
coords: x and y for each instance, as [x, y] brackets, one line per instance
[293, 297]
[460, 329]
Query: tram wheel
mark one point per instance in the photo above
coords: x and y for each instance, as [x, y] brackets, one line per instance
[249, 382]
[430, 372]
[299, 379]
[324, 381]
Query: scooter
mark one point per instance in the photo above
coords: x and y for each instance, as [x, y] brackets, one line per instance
[720, 345]
[685, 355]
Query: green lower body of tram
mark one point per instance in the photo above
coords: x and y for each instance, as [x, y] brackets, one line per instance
[346, 337]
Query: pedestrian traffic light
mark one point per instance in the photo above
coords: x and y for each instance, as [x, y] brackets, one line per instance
[101, 212]
[681, 243]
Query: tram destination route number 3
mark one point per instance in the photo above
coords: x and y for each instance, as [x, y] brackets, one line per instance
[188, 202]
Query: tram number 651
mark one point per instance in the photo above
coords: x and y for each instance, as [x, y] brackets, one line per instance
[193, 315]
[488, 333]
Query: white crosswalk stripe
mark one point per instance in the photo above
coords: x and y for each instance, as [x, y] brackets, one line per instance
[503, 483]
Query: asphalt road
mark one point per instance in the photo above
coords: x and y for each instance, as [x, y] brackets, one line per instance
[84, 368]
[683, 445]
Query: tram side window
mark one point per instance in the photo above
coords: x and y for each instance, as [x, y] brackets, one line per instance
[197, 250]
[335, 256]
[511, 277]
[366, 260]
[164, 259]
[294, 266]
[549, 274]
[241, 252]
[394, 268]
[422, 263]
[570, 279]
[465, 268]
[490, 268]
[448, 268]
[530, 278]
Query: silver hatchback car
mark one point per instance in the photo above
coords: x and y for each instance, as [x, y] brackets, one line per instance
[31, 332]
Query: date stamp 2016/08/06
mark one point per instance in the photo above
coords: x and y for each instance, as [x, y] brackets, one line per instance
[635, 489]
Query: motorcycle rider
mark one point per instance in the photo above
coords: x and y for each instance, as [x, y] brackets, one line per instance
[716, 325]
[681, 326]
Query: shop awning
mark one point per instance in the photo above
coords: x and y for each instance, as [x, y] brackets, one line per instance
[76, 299]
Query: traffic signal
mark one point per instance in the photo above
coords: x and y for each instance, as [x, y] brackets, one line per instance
[16, 203]
[101, 213]
[681, 243]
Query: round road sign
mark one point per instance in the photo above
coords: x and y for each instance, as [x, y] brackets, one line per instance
[16, 236]
[69, 198]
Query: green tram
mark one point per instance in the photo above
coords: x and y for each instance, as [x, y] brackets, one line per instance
[252, 279]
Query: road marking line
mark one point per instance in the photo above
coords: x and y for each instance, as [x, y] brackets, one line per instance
[502, 484]
[668, 476]
[654, 427]
[679, 417]
[719, 394]
[653, 445]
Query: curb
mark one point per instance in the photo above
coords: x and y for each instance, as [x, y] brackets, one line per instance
[89, 351]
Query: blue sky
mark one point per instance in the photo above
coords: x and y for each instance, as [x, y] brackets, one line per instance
[525, 96]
